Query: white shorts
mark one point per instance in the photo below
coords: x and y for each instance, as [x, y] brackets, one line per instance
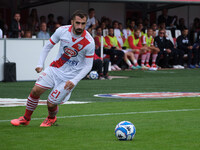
[127, 50]
[48, 80]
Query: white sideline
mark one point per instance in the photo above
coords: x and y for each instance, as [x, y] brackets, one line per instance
[110, 114]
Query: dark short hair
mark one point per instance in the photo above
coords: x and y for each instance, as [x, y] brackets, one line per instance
[183, 29]
[137, 29]
[17, 12]
[149, 28]
[80, 14]
[91, 9]
[110, 28]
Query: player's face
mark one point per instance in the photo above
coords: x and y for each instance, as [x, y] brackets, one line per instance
[149, 32]
[99, 31]
[78, 25]
[137, 33]
[111, 32]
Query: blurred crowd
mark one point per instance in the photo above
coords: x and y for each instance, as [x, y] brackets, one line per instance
[167, 43]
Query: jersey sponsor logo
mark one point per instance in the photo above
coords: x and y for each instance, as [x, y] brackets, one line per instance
[149, 95]
[70, 52]
[72, 62]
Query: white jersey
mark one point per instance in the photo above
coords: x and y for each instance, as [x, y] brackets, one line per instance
[72, 52]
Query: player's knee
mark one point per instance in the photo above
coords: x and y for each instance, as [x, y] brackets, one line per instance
[36, 91]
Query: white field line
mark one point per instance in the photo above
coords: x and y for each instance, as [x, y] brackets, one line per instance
[111, 114]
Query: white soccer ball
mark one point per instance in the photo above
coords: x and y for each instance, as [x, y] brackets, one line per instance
[93, 75]
[125, 131]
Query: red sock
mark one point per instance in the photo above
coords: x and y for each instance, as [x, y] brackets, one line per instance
[31, 105]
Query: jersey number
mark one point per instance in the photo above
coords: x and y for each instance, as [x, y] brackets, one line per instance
[55, 94]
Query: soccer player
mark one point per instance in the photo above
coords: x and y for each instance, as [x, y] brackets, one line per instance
[135, 44]
[73, 62]
[148, 41]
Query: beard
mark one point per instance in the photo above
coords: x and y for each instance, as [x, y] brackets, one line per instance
[78, 31]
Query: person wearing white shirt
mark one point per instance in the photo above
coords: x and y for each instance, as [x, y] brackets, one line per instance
[91, 21]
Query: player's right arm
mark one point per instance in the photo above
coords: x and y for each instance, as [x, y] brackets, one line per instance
[55, 38]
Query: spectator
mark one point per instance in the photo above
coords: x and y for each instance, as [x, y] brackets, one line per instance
[195, 28]
[51, 23]
[146, 24]
[43, 19]
[113, 49]
[165, 18]
[154, 26]
[148, 41]
[184, 44]
[91, 22]
[16, 28]
[162, 26]
[166, 49]
[57, 25]
[141, 28]
[181, 24]
[33, 22]
[103, 25]
[28, 34]
[60, 20]
[117, 32]
[43, 34]
[135, 44]
[130, 29]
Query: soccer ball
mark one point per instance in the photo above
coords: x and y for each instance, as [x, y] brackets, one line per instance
[93, 75]
[125, 131]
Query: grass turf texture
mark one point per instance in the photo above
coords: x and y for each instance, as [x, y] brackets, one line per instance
[154, 131]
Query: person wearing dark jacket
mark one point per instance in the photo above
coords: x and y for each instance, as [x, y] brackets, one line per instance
[167, 50]
[184, 44]
[16, 28]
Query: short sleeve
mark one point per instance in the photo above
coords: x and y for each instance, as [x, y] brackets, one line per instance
[55, 38]
[90, 50]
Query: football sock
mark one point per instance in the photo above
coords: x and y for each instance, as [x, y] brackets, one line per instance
[136, 56]
[31, 105]
[135, 62]
[143, 58]
[154, 56]
[148, 57]
[52, 112]
[128, 63]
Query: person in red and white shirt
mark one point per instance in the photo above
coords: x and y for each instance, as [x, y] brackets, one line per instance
[135, 44]
[148, 42]
[73, 62]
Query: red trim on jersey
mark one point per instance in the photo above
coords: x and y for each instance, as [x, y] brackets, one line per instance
[60, 62]
[52, 41]
[89, 56]
[81, 44]
[70, 28]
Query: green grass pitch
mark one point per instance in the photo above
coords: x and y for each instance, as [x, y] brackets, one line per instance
[78, 128]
